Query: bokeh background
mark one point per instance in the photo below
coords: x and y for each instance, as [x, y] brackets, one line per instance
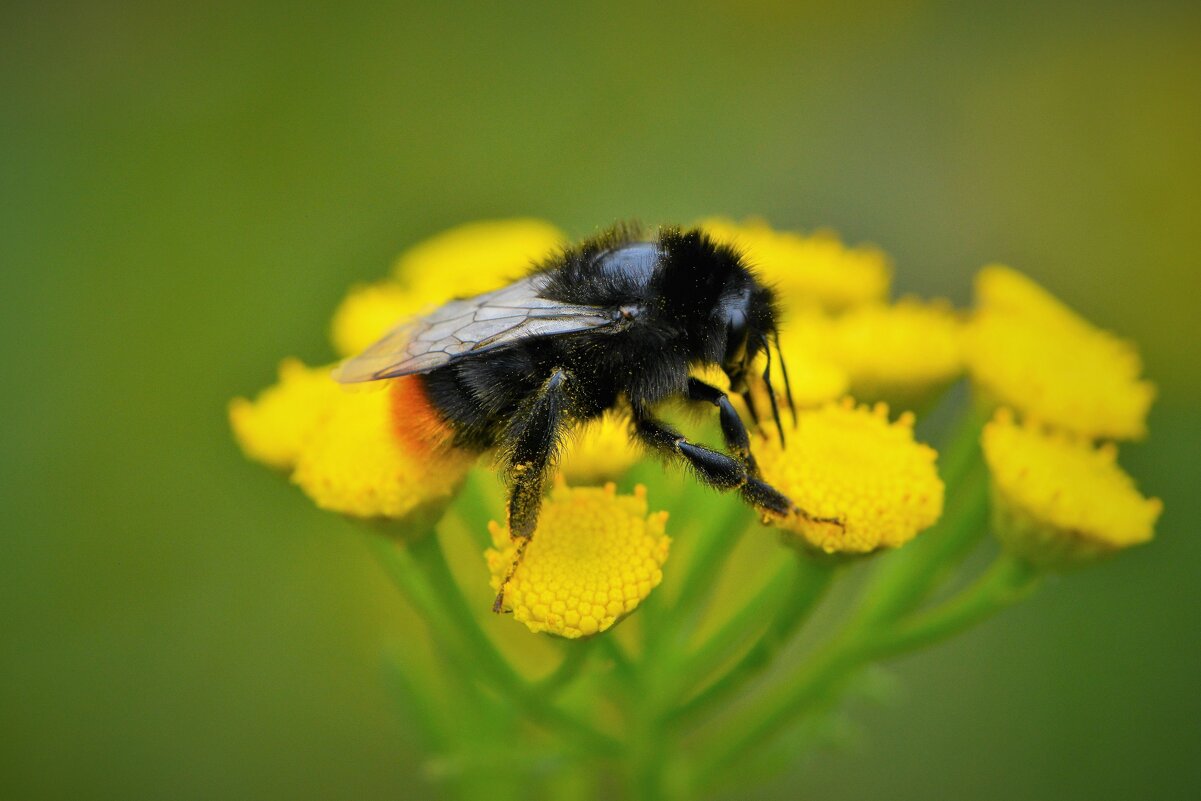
[187, 189]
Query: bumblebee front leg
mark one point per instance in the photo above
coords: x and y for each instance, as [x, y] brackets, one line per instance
[534, 434]
[732, 428]
[717, 469]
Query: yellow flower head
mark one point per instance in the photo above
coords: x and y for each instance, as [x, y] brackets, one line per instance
[849, 463]
[1058, 500]
[902, 354]
[273, 427]
[594, 557]
[463, 261]
[1030, 352]
[371, 459]
[601, 452]
[368, 312]
[815, 271]
[475, 258]
[374, 453]
[814, 381]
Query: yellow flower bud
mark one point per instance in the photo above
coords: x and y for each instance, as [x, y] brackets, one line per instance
[368, 312]
[601, 451]
[1058, 500]
[903, 354]
[849, 464]
[274, 426]
[1028, 351]
[814, 271]
[463, 261]
[362, 462]
[475, 258]
[370, 452]
[594, 557]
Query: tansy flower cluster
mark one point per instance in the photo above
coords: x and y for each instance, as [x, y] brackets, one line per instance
[1058, 498]
[842, 334]
[681, 698]
[859, 479]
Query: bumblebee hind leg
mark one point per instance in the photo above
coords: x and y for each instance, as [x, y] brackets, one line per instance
[534, 434]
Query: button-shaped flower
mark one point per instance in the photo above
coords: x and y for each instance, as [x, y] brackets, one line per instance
[601, 451]
[378, 451]
[594, 557]
[814, 271]
[904, 353]
[274, 427]
[1059, 500]
[850, 464]
[463, 261]
[364, 453]
[1033, 354]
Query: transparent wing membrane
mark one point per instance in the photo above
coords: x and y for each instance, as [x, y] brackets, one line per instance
[469, 326]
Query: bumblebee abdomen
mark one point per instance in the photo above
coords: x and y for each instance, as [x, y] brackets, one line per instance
[415, 420]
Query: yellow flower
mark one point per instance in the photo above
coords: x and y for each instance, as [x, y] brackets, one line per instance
[815, 271]
[368, 312]
[813, 381]
[379, 451]
[371, 459]
[273, 428]
[1058, 500]
[601, 451]
[463, 261]
[594, 557]
[475, 258]
[850, 464]
[349, 450]
[1004, 289]
[903, 354]
[1030, 352]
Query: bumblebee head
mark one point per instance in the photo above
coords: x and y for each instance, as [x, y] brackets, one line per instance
[707, 289]
[749, 318]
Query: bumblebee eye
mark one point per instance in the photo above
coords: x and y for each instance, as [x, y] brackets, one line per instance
[736, 339]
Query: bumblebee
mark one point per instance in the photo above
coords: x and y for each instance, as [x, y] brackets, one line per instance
[617, 321]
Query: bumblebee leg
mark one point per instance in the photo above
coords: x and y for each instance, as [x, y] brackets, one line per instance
[534, 432]
[732, 427]
[717, 469]
[755, 490]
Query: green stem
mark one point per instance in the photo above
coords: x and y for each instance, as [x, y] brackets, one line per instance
[622, 664]
[719, 541]
[420, 570]
[474, 506]
[800, 585]
[414, 700]
[1007, 581]
[778, 708]
[576, 655]
[907, 576]
[493, 665]
[962, 446]
[742, 625]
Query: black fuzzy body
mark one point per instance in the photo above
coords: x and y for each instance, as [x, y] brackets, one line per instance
[678, 290]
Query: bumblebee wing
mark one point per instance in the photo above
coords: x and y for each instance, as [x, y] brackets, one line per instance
[471, 326]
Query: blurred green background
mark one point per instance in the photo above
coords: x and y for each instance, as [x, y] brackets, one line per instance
[187, 189]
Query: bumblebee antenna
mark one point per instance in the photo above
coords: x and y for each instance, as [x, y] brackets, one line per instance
[771, 393]
[784, 370]
[749, 400]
